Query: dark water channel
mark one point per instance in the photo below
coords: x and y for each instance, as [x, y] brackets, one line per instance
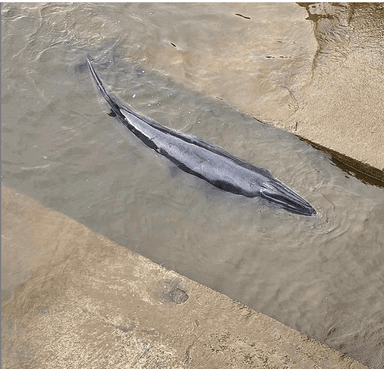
[321, 275]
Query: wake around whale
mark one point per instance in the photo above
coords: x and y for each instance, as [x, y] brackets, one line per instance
[203, 160]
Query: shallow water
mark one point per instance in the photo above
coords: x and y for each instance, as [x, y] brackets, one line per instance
[320, 275]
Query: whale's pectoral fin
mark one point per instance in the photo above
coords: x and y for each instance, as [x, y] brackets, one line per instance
[112, 113]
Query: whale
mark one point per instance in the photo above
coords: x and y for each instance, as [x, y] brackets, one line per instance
[209, 162]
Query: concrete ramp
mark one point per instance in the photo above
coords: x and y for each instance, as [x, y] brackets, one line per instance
[73, 299]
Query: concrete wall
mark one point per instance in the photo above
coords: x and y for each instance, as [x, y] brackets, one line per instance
[73, 299]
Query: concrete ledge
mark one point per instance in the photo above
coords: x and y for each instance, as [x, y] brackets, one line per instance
[362, 171]
[81, 301]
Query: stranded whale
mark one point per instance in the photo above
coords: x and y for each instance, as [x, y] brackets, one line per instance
[208, 162]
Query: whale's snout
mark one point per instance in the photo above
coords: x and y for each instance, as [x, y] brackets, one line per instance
[284, 197]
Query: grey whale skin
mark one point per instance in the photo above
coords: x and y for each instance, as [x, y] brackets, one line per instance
[208, 162]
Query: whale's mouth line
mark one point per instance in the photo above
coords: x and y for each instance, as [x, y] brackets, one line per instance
[284, 197]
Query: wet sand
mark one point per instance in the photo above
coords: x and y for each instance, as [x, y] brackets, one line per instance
[81, 301]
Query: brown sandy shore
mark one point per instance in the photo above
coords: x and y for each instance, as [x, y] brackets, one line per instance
[73, 299]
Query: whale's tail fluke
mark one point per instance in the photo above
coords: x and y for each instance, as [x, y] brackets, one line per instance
[115, 108]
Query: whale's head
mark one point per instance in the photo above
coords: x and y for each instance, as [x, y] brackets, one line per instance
[281, 195]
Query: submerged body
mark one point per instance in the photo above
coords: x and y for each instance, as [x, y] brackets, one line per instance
[206, 161]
